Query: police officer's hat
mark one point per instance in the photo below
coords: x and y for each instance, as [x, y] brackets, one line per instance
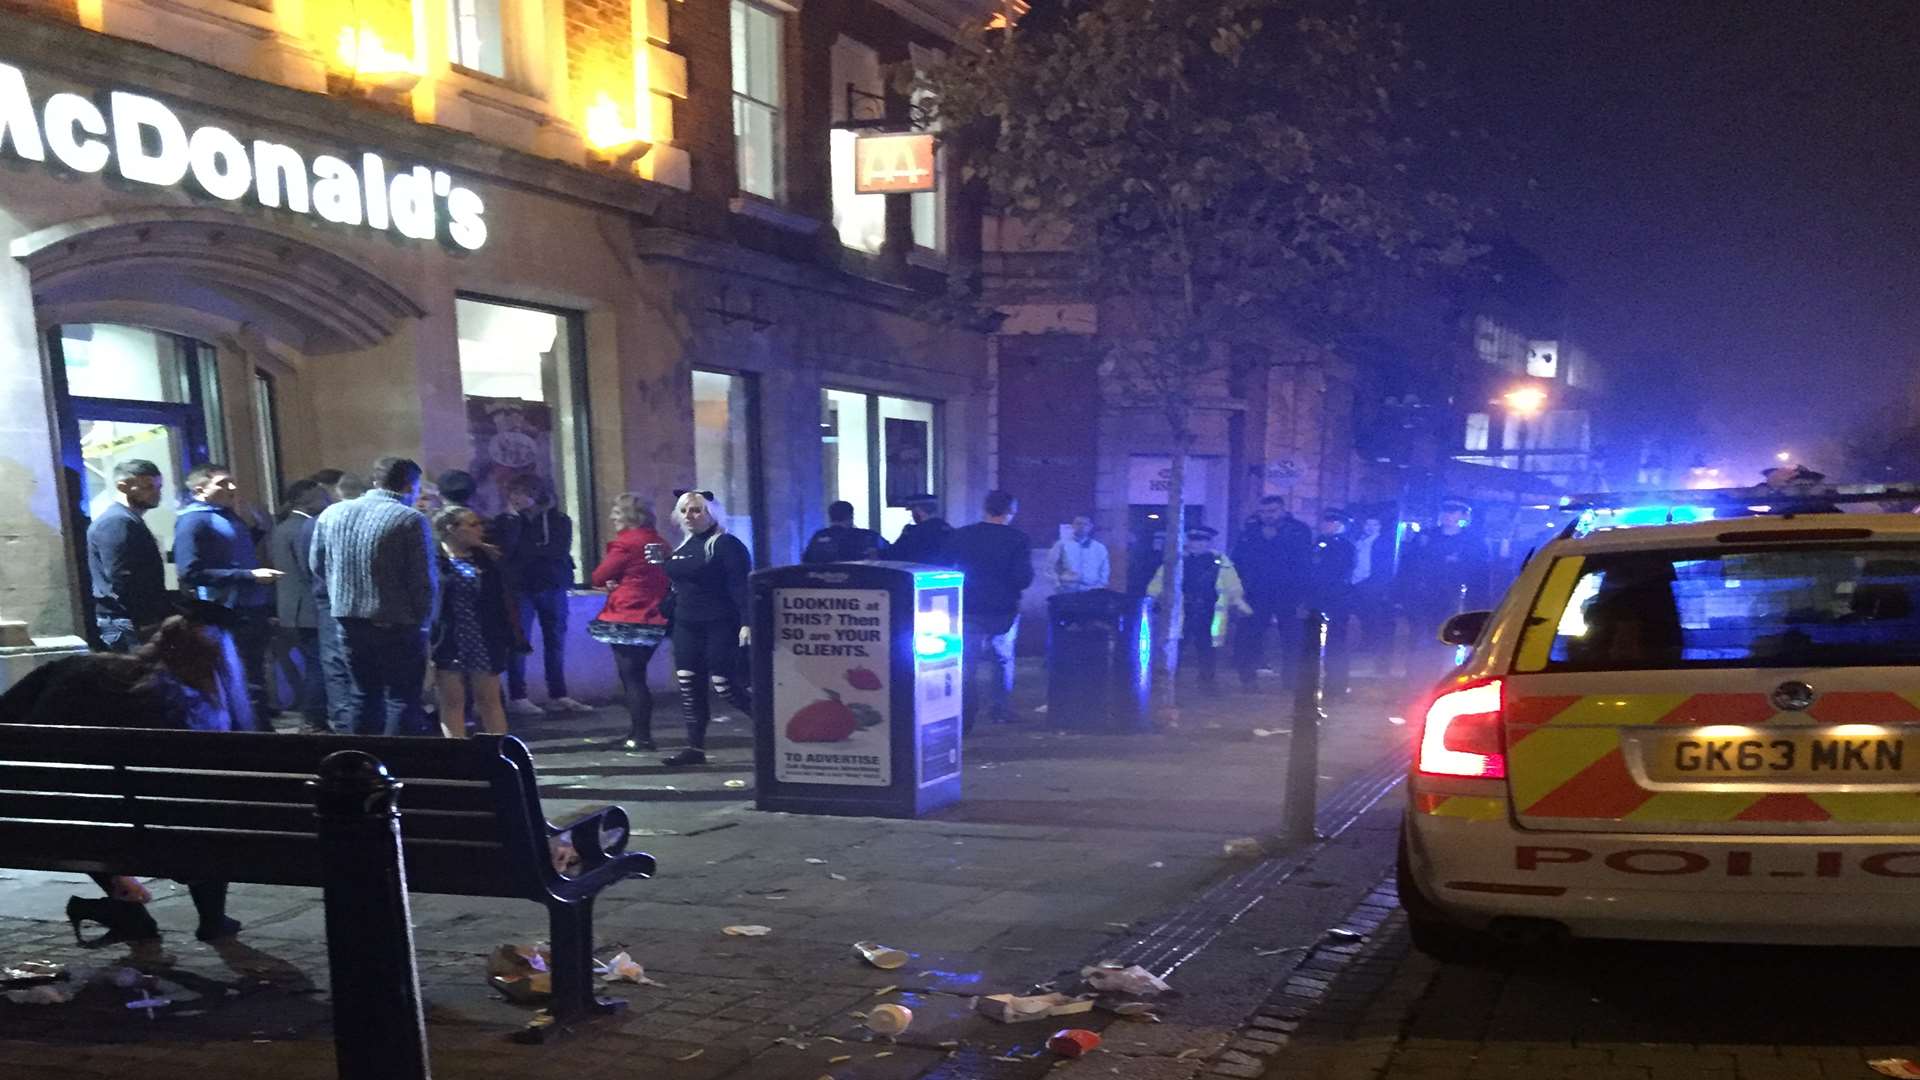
[1202, 532]
[920, 498]
[1458, 506]
[1334, 513]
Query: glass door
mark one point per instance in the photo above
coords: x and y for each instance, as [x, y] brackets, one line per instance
[126, 393]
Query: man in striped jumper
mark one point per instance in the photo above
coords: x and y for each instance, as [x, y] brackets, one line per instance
[374, 567]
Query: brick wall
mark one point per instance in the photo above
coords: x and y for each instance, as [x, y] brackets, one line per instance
[1049, 407]
[600, 52]
[703, 123]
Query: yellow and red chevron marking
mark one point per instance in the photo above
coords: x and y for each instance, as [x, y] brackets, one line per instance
[1564, 758]
[1468, 807]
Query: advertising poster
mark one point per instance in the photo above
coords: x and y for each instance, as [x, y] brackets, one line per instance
[830, 687]
[907, 443]
[510, 437]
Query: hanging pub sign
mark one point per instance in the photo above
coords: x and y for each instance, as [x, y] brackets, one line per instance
[894, 164]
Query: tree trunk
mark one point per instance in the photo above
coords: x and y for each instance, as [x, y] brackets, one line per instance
[1171, 572]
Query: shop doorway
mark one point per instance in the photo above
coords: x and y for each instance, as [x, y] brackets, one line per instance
[1147, 542]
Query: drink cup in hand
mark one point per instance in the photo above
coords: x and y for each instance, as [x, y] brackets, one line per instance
[655, 553]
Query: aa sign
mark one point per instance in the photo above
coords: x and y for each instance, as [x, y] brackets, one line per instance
[893, 164]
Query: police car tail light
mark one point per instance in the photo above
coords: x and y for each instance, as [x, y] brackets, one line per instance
[1462, 735]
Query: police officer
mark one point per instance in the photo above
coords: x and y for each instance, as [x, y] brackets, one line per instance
[1209, 589]
[924, 541]
[1443, 573]
[841, 540]
[1330, 590]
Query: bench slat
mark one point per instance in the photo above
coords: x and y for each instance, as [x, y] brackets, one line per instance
[433, 866]
[235, 817]
[460, 795]
[415, 758]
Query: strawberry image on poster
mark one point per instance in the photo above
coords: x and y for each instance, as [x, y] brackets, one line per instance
[832, 687]
[826, 720]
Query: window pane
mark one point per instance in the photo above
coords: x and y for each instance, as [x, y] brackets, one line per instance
[517, 372]
[762, 43]
[844, 451]
[861, 220]
[267, 437]
[475, 30]
[740, 58]
[723, 447]
[123, 362]
[1826, 607]
[929, 213]
[756, 143]
[906, 462]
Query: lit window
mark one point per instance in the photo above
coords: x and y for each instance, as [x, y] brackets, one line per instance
[1477, 426]
[522, 376]
[858, 94]
[757, 98]
[475, 32]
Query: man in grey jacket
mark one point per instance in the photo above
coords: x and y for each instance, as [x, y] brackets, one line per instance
[374, 562]
[296, 607]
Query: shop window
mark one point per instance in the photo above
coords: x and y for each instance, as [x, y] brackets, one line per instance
[476, 31]
[725, 449]
[522, 371]
[757, 98]
[876, 451]
[266, 430]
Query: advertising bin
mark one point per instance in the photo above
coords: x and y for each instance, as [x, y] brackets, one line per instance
[857, 684]
[1098, 668]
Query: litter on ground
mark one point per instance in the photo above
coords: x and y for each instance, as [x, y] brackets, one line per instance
[747, 931]
[623, 968]
[1015, 1009]
[1134, 981]
[881, 956]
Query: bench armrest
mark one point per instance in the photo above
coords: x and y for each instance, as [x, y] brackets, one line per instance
[598, 836]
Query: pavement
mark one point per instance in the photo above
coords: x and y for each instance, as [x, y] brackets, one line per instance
[1068, 849]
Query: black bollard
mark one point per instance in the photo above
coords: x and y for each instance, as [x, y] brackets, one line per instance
[379, 1028]
[1303, 749]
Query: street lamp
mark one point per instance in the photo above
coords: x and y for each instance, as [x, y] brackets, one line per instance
[1783, 455]
[1525, 401]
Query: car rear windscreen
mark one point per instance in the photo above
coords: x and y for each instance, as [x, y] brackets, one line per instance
[1837, 606]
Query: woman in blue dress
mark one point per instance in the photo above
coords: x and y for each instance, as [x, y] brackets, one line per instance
[475, 627]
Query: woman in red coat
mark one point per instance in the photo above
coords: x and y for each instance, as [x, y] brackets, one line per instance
[632, 622]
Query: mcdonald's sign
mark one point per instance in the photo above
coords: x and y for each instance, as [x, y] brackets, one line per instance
[894, 164]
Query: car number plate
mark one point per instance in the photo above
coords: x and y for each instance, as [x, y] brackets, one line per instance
[1782, 755]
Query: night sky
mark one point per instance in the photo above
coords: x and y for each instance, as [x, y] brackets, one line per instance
[1730, 188]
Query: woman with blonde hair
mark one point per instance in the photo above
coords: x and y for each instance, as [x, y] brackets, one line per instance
[475, 629]
[710, 605]
[632, 623]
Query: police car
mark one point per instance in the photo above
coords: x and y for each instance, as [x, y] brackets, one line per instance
[1704, 731]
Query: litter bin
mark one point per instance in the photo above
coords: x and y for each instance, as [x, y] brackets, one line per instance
[857, 681]
[1098, 669]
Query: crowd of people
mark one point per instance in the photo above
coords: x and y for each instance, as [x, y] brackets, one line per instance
[368, 593]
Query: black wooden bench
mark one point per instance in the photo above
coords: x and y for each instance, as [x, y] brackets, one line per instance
[193, 805]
